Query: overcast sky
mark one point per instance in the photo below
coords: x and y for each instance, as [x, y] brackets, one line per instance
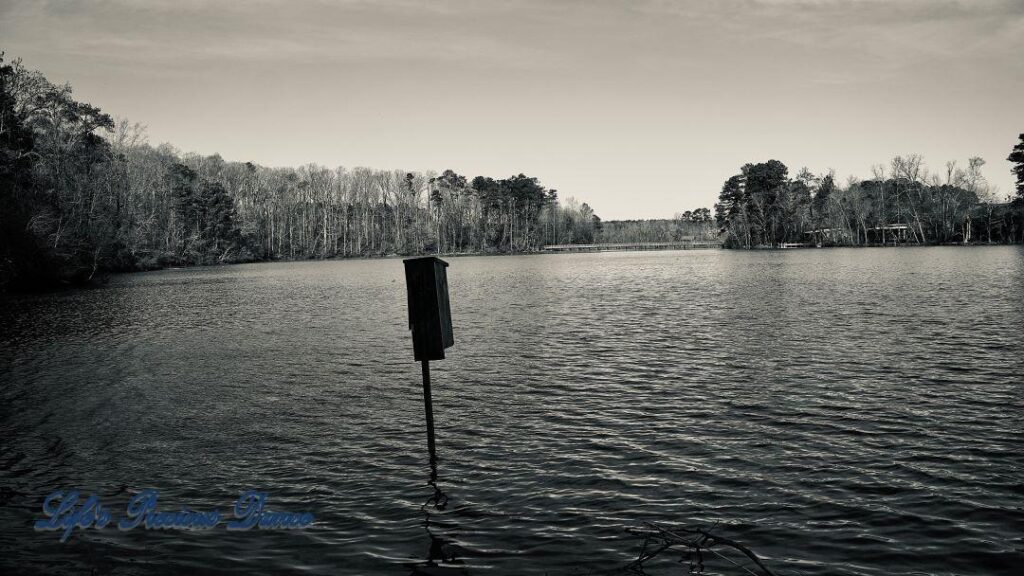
[642, 108]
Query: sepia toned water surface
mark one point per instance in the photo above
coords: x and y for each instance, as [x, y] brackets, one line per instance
[840, 412]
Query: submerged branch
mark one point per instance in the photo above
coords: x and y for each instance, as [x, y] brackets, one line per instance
[694, 540]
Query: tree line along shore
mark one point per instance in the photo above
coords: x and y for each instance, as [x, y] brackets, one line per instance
[83, 194]
[902, 204]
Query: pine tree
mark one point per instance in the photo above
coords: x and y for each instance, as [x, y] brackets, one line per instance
[1017, 157]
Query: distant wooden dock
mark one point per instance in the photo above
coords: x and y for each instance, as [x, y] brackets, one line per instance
[618, 247]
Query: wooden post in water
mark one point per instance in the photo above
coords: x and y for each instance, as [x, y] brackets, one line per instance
[428, 404]
[430, 319]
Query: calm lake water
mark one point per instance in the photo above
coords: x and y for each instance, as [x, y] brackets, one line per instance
[838, 411]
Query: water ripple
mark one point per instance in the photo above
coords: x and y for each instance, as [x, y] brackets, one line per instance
[853, 412]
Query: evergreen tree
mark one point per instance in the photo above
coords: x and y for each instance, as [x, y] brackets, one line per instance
[17, 247]
[1017, 205]
[1017, 158]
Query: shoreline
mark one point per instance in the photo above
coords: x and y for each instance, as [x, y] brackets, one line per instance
[103, 278]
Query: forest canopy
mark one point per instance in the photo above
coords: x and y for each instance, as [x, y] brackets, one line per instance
[83, 194]
[763, 206]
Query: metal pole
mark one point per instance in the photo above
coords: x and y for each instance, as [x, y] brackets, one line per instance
[429, 406]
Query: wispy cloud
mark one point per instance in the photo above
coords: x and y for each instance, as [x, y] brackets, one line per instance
[619, 85]
[262, 30]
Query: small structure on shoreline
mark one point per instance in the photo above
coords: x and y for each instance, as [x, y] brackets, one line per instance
[878, 235]
[891, 233]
